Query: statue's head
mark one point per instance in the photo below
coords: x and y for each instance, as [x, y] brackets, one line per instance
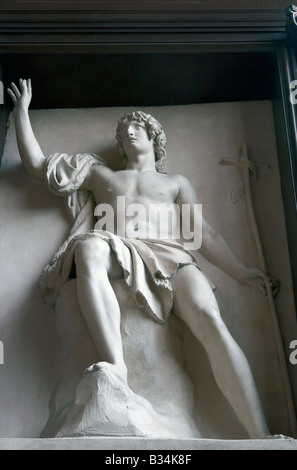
[154, 131]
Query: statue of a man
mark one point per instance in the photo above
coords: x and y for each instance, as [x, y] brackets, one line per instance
[162, 274]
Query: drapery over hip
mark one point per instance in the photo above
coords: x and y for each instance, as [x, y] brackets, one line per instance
[148, 266]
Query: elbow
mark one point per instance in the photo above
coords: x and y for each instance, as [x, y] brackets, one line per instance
[35, 170]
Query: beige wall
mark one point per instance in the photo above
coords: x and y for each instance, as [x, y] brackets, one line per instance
[34, 223]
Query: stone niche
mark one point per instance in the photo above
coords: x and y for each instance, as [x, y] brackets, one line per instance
[46, 350]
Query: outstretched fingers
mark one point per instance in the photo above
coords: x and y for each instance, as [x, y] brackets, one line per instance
[22, 94]
[29, 84]
[15, 90]
[25, 85]
[12, 95]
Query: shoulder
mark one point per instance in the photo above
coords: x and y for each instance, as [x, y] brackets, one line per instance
[185, 191]
[98, 169]
[181, 181]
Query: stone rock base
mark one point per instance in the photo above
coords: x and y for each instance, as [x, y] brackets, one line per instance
[106, 406]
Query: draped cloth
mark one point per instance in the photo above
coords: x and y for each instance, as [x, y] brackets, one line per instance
[148, 265]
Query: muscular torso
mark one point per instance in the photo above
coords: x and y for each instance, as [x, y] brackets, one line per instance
[138, 195]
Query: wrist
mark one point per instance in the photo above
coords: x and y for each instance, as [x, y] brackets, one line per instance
[251, 273]
[20, 110]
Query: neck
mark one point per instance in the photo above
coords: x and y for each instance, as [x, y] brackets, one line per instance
[141, 162]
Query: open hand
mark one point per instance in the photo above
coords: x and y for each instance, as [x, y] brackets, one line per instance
[21, 96]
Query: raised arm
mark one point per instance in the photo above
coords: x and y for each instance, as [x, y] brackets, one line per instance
[216, 249]
[29, 149]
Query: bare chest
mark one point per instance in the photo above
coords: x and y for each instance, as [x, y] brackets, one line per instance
[137, 188]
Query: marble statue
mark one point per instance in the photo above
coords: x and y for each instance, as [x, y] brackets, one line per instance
[156, 266]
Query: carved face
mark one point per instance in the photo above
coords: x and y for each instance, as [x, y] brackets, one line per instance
[135, 138]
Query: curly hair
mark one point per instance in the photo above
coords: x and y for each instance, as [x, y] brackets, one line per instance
[155, 133]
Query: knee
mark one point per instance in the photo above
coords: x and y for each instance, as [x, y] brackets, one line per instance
[92, 252]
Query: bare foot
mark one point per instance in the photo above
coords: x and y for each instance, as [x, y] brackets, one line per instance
[99, 366]
[122, 377]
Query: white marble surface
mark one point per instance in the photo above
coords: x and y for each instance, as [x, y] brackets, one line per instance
[155, 359]
[108, 445]
[33, 224]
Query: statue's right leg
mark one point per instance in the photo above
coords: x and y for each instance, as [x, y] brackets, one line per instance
[96, 264]
[196, 305]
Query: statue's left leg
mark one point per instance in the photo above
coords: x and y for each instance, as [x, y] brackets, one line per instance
[196, 305]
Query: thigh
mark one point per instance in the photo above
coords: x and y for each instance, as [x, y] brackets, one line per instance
[191, 287]
[194, 301]
[95, 254]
